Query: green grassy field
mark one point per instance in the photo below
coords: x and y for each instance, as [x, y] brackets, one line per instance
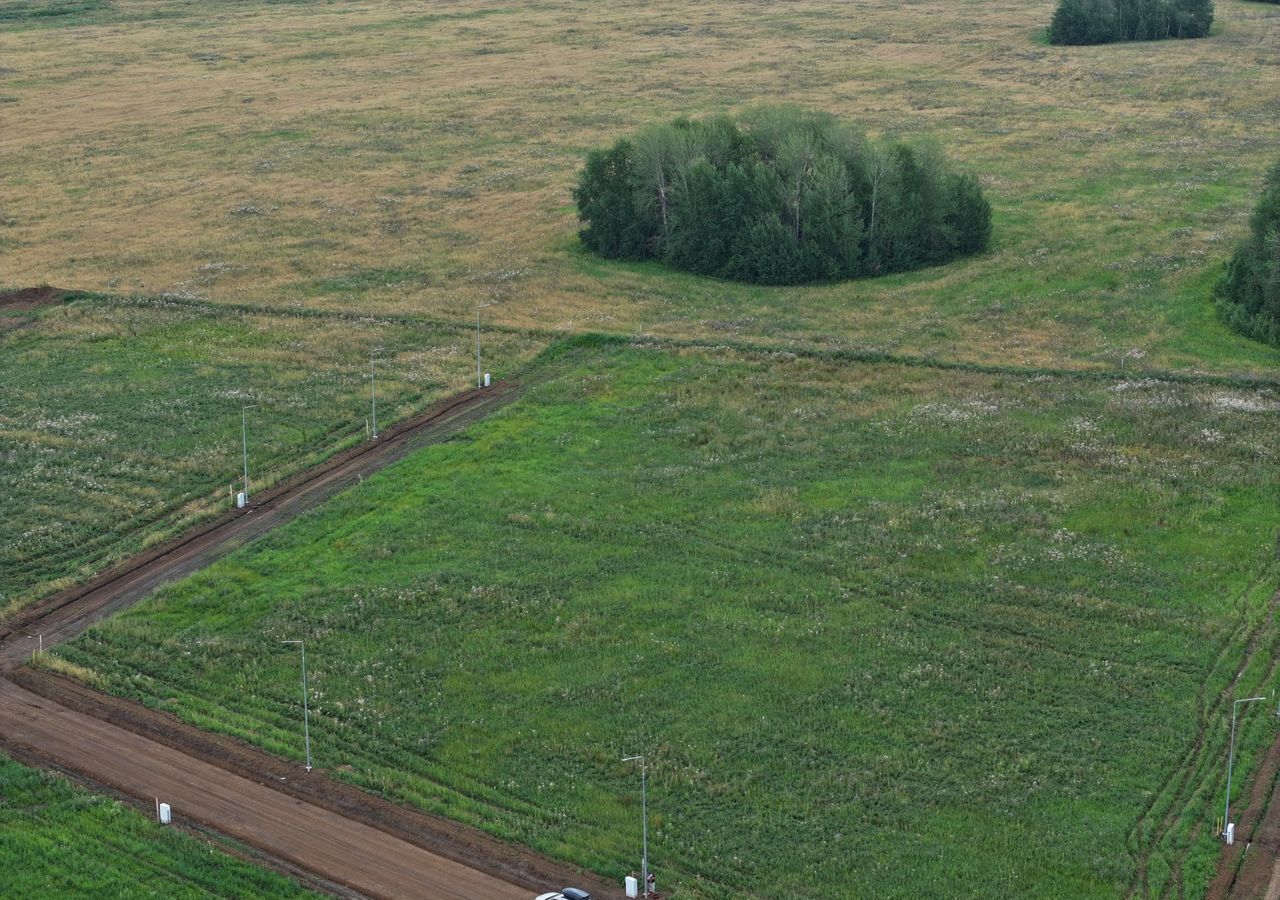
[120, 420]
[924, 632]
[57, 840]
[919, 629]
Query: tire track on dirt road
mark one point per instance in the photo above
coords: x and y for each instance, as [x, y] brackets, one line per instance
[351, 853]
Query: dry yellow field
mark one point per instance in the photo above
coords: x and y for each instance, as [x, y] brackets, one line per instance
[418, 158]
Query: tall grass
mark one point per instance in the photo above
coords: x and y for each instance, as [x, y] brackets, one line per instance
[872, 627]
[120, 421]
[57, 840]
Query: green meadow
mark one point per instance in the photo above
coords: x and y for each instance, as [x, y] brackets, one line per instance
[931, 584]
[58, 840]
[918, 630]
[120, 419]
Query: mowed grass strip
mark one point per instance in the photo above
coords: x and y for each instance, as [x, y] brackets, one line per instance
[873, 627]
[58, 840]
[120, 422]
[387, 156]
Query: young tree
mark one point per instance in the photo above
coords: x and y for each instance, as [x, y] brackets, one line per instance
[1249, 293]
[605, 199]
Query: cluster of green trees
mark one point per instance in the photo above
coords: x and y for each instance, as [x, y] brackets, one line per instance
[1107, 21]
[780, 196]
[1249, 293]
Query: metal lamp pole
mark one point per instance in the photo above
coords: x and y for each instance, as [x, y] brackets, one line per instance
[306, 714]
[1231, 758]
[244, 444]
[478, 379]
[644, 814]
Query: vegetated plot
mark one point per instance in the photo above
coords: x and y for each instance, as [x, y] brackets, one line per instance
[120, 422]
[296, 144]
[929, 633]
[57, 840]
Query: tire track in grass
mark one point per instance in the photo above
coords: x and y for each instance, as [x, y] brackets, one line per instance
[1213, 780]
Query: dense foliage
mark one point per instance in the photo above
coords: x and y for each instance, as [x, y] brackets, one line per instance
[1107, 21]
[1249, 295]
[781, 196]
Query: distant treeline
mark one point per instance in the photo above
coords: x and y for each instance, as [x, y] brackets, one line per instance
[780, 196]
[1249, 293]
[1108, 21]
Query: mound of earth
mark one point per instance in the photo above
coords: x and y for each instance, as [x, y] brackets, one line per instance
[28, 298]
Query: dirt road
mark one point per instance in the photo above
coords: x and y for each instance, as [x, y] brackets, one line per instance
[1250, 868]
[319, 825]
[65, 615]
[366, 859]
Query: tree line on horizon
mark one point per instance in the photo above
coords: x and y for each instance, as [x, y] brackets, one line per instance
[782, 195]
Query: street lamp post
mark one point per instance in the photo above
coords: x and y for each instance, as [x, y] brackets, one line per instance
[306, 714]
[644, 828]
[478, 379]
[1231, 758]
[244, 444]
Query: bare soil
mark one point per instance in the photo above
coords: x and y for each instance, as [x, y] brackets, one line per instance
[30, 298]
[26, 300]
[369, 860]
[440, 837]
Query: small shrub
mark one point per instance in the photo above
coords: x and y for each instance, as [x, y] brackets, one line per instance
[1108, 21]
[1249, 293]
[781, 196]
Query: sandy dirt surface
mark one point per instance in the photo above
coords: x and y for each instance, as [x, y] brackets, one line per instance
[367, 859]
[17, 307]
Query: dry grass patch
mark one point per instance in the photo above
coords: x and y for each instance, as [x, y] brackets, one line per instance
[262, 152]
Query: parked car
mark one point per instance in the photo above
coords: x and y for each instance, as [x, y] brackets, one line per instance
[566, 894]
